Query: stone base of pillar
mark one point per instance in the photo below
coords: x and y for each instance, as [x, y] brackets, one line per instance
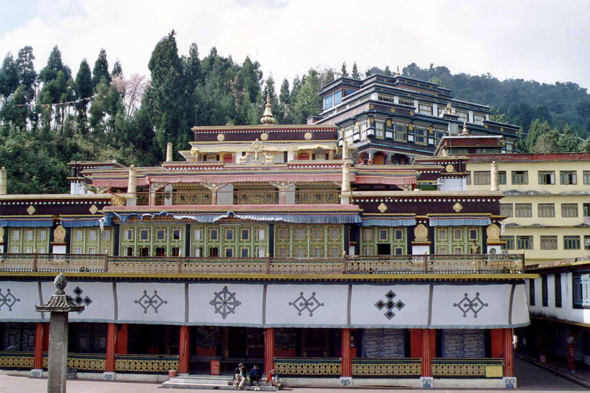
[426, 382]
[108, 376]
[509, 382]
[37, 373]
[345, 381]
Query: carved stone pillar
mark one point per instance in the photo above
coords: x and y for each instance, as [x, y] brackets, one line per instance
[283, 188]
[214, 188]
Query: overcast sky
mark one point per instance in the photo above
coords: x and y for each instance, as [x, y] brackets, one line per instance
[547, 41]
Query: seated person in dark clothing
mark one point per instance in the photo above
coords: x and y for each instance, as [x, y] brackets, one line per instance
[255, 376]
[240, 376]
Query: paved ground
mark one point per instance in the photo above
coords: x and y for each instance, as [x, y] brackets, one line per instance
[530, 379]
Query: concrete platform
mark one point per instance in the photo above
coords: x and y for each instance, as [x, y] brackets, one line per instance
[210, 382]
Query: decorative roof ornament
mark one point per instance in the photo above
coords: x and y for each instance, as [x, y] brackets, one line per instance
[59, 301]
[256, 148]
[267, 117]
[397, 73]
[465, 130]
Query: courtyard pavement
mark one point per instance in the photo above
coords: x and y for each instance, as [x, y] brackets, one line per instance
[530, 379]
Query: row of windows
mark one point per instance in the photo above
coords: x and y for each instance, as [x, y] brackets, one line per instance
[570, 242]
[544, 210]
[482, 178]
[545, 291]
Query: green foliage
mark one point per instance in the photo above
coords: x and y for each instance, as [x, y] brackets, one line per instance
[117, 69]
[343, 71]
[8, 76]
[27, 75]
[308, 102]
[355, 72]
[101, 69]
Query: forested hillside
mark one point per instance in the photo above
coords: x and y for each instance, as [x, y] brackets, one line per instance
[51, 116]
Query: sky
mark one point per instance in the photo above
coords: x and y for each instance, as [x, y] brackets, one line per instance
[547, 41]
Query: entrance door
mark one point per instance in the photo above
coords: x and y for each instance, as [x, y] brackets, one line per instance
[236, 343]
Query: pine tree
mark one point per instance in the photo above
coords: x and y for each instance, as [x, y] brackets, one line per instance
[54, 65]
[308, 102]
[387, 71]
[101, 69]
[117, 69]
[547, 143]
[26, 71]
[368, 73]
[568, 141]
[284, 102]
[355, 72]
[84, 89]
[192, 68]
[8, 76]
[343, 71]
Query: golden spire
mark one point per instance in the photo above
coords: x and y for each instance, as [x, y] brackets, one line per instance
[267, 117]
[397, 73]
[465, 130]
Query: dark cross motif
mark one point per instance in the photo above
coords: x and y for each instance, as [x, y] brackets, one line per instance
[154, 301]
[311, 304]
[79, 300]
[466, 305]
[390, 304]
[225, 302]
[8, 300]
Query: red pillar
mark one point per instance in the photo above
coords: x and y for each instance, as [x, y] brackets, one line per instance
[497, 338]
[269, 350]
[184, 354]
[39, 336]
[346, 359]
[111, 347]
[508, 353]
[427, 350]
[122, 342]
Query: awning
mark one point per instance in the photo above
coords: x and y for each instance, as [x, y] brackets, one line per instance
[388, 221]
[458, 220]
[313, 218]
[391, 180]
[80, 222]
[27, 222]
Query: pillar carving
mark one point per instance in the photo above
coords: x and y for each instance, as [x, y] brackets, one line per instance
[283, 188]
[214, 188]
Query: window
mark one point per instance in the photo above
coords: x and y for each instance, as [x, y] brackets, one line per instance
[441, 234]
[198, 252]
[420, 135]
[334, 252]
[524, 242]
[586, 209]
[245, 253]
[175, 251]
[473, 234]
[328, 102]
[532, 292]
[403, 101]
[548, 242]
[16, 234]
[78, 250]
[229, 234]
[160, 251]
[198, 234]
[568, 177]
[214, 252]
[160, 234]
[383, 234]
[581, 286]
[468, 179]
[300, 252]
[128, 234]
[214, 234]
[546, 210]
[380, 130]
[144, 252]
[260, 252]
[399, 132]
[520, 177]
[544, 290]
[546, 177]
[282, 234]
[300, 234]
[334, 234]
[557, 278]
[92, 235]
[15, 250]
[463, 116]
[245, 234]
[478, 119]
[368, 251]
[261, 234]
[398, 234]
[28, 234]
[176, 234]
[42, 234]
[481, 178]
[317, 252]
[92, 250]
[106, 235]
[128, 251]
[144, 234]
[509, 245]
[586, 242]
[317, 234]
[282, 252]
[523, 209]
[368, 234]
[229, 252]
[425, 109]
[586, 177]
[457, 234]
[502, 177]
[569, 210]
[571, 242]
[79, 235]
[338, 97]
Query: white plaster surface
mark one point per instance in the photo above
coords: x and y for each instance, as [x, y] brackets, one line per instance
[170, 312]
[102, 307]
[249, 312]
[23, 309]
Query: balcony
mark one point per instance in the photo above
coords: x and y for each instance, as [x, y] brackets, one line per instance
[478, 264]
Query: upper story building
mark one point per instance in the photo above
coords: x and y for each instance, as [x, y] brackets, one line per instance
[392, 119]
[547, 202]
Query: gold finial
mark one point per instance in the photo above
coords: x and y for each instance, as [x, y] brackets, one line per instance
[465, 130]
[267, 117]
[397, 73]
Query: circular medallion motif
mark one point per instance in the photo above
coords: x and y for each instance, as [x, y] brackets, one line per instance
[220, 137]
[450, 168]
[307, 135]
[263, 136]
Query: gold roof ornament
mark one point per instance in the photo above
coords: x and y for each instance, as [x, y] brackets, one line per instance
[397, 73]
[465, 130]
[267, 117]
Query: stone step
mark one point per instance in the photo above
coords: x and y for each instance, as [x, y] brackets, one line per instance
[192, 384]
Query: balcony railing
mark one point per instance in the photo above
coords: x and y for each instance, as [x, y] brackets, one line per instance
[383, 367]
[453, 368]
[399, 264]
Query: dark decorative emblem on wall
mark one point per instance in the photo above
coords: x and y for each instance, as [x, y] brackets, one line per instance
[8, 300]
[79, 300]
[310, 304]
[475, 305]
[225, 302]
[155, 301]
[389, 304]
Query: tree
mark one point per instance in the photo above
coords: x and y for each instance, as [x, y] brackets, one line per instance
[192, 68]
[54, 65]
[117, 69]
[8, 76]
[368, 72]
[285, 103]
[355, 72]
[131, 90]
[387, 71]
[27, 75]
[101, 69]
[568, 142]
[308, 102]
[537, 129]
[84, 89]
[546, 143]
[343, 71]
